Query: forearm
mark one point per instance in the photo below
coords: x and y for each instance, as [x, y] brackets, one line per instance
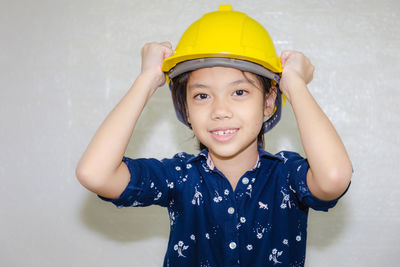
[330, 165]
[105, 151]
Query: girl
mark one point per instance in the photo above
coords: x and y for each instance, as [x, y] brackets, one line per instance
[233, 204]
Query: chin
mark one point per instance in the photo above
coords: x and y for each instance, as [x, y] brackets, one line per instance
[223, 154]
[229, 150]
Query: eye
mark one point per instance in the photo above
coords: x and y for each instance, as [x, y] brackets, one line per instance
[240, 92]
[201, 96]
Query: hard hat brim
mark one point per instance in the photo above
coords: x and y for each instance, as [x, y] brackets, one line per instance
[273, 64]
[243, 65]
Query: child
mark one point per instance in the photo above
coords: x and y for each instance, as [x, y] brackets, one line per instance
[233, 204]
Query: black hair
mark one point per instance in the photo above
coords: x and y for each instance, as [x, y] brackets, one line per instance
[178, 86]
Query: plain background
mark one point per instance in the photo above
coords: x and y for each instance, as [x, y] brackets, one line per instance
[65, 64]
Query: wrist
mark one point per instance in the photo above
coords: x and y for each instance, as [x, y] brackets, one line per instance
[291, 85]
[152, 78]
[144, 85]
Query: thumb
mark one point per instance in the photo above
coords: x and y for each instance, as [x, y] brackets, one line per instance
[167, 52]
[167, 49]
[284, 57]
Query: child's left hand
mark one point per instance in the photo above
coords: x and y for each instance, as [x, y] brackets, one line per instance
[297, 68]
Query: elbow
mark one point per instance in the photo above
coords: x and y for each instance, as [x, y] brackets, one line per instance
[336, 182]
[83, 176]
[88, 178]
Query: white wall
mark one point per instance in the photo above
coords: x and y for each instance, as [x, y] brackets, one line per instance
[65, 64]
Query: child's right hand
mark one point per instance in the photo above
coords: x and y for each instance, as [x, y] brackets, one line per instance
[153, 55]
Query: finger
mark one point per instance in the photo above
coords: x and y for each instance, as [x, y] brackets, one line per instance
[284, 57]
[168, 52]
[167, 49]
[166, 44]
[146, 47]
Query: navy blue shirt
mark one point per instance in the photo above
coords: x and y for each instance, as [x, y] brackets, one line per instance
[262, 223]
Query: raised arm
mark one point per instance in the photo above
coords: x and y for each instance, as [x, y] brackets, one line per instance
[100, 168]
[330, 167]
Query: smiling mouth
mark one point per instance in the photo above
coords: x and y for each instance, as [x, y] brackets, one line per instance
[224, 135]
[224, 132]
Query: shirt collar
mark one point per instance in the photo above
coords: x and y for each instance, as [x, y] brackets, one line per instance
[264, 154]
[205, 155]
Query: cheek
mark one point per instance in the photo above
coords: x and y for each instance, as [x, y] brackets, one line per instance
[255, 120]
[254, 113]
[190, 111]
[257, 123]
[195, 116]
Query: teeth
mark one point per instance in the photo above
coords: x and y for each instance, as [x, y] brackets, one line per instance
[224, 132]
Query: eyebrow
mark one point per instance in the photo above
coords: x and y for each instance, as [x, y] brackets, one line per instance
[197, 85]
[241, 81]
[237, 82]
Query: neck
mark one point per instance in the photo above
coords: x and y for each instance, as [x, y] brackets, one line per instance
[234, 167]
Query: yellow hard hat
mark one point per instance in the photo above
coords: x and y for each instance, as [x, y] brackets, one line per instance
[228, 34]
[226, 38]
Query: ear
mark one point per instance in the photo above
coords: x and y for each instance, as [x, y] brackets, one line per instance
[269, 102]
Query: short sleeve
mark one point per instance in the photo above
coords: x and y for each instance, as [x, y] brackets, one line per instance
[295, 168]
[150, 183]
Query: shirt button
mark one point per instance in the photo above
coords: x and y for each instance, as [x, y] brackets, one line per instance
[232, 245]
[245, 180]
[231, 210]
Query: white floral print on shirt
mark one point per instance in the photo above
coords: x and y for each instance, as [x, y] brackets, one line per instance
[180, 247]
[275, 254]
[197, 197]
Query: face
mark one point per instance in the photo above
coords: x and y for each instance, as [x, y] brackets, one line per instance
[226, 108]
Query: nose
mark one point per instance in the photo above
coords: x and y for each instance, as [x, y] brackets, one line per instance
[221, 109]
